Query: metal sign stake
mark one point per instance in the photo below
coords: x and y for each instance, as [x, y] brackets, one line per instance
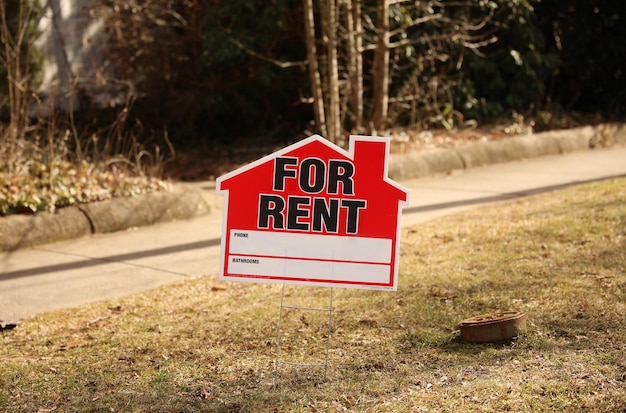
[279, 333]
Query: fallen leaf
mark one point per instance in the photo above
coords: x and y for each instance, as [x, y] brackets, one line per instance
[72, 344]
[97, 320]
[368, 322]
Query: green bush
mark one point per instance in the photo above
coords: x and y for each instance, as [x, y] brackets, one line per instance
[588, 35]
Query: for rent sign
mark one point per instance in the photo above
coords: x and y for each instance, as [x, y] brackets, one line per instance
[314, 214]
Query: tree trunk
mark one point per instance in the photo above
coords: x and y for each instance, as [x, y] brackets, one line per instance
[380, 103]
[334, 108]
[314, 74]
[355, 61]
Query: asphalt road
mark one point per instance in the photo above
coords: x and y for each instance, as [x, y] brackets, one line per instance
[104, 266]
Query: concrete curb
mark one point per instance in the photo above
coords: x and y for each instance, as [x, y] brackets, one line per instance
[437, 161]
[21, 231]
[187, 201]
[119, 214]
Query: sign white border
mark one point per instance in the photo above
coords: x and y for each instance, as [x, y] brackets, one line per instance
[305, 269]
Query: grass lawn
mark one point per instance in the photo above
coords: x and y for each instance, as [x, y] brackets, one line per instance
[207, 346]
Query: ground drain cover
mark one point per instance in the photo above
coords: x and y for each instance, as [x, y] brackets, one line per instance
[495, 327]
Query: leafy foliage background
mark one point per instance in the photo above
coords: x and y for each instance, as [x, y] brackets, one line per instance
[220, 76]
[187, 65]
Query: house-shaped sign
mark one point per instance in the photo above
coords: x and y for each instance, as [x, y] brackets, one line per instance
[314, 214]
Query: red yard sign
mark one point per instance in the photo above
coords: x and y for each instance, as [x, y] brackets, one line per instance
[314, 214]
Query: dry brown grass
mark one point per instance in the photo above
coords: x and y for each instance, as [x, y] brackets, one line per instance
[208, 346]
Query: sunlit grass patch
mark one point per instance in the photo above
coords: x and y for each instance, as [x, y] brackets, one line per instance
[203, 345]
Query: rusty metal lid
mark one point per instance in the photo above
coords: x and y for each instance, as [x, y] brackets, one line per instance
[495, 327]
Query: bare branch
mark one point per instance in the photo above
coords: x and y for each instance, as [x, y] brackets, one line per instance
[478, 45]
[414, 23]
[279, 63]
